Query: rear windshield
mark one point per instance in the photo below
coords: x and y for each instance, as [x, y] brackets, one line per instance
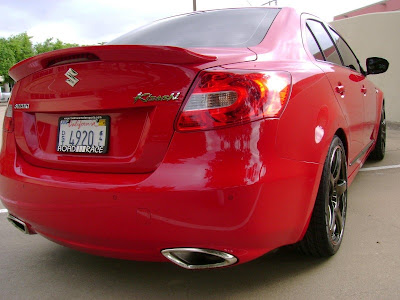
[236, 28]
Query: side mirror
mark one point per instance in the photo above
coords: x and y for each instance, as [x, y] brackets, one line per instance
[377, 65]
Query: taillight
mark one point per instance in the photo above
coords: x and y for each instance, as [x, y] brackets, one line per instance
[8, 125]
[224, 98]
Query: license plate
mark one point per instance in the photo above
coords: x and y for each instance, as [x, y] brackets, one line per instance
[83, 134]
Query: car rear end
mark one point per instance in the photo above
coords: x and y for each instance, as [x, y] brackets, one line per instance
[152, 152]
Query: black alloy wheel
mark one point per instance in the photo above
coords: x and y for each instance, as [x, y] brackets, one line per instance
[380, 147]
[337, 201]
[325, 231]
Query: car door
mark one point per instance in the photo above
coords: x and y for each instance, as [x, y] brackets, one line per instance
[346, 81]
[364, 86]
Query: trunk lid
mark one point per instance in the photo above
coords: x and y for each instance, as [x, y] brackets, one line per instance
[139, 89]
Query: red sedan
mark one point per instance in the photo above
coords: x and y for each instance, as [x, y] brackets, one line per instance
[208, 139]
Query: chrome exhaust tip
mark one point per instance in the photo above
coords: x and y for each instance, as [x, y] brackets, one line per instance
[198, 258]
[20, 225]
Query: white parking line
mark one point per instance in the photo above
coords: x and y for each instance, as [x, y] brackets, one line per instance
[380, 168]
[3, 211]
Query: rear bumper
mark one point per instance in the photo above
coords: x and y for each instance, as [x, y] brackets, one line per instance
[214, 193]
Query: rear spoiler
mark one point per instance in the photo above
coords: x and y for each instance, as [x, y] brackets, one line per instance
[116, 53]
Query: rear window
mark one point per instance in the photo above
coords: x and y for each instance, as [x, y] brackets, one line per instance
[236, 28]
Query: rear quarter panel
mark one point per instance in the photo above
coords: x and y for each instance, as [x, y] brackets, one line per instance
[311, 118]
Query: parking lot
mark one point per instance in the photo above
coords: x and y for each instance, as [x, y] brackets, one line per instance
[366, 267]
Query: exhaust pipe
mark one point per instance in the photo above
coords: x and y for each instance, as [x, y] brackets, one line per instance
[197, 258]
[20, 225]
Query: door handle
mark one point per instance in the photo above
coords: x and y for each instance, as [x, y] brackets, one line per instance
[340, 89]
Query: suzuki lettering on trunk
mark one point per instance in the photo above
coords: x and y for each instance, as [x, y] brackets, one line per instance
[21, 106]
[88, 134]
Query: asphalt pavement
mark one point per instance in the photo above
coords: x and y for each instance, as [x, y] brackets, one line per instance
[366, 267]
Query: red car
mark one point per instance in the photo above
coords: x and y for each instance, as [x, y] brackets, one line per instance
[208, 139]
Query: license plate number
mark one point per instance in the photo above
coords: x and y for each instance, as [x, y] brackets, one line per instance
[83, 134]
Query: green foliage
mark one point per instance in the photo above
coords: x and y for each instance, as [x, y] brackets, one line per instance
[7, 59]
[19, 47]
[50, 45]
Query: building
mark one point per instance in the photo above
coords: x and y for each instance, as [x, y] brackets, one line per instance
[376, 34]
[381, 6]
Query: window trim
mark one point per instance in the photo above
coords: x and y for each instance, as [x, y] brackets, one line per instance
[316, 41]
[337, 49]
[358, 61]
[325, 26]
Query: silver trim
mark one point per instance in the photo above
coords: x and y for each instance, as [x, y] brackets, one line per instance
[228, 258]
[362, 152]
[14, 220]
[21, 106]
[70, 74]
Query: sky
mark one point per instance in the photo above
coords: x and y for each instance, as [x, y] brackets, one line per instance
[88, 22]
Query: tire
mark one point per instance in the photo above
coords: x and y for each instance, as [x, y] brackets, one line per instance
[325, 231]
[380, 146]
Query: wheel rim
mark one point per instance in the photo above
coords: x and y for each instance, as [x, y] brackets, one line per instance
[337, 202]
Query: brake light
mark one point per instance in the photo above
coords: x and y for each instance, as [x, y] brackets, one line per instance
[224, 98]
[74, 58]
[8, 124]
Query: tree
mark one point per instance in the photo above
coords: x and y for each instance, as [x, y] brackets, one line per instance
[7, 59]
[12, 50]
[21, 46]
[49, 45]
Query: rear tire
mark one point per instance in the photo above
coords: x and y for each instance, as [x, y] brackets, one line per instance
[325, 231]
[380, 146]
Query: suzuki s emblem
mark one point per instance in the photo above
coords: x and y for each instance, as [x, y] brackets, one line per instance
[72, 80]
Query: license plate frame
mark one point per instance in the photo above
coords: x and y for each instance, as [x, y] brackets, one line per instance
[67, 132]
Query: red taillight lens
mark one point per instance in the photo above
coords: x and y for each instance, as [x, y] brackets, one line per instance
[222, 98]
[8, 125]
